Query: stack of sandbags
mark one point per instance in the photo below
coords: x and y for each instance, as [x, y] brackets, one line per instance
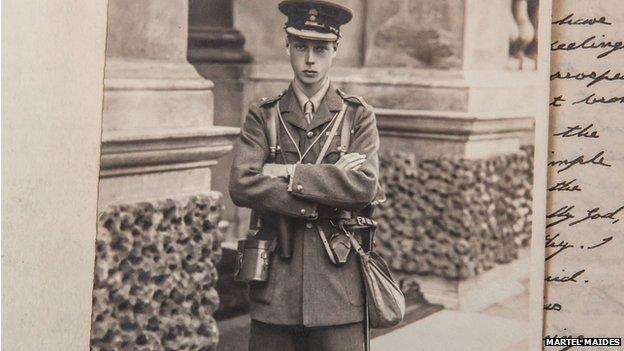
[155, 276]
[453, 217]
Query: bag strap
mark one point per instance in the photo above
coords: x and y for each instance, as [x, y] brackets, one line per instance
[330, 253]
[272, 133]
[345, 136]
[356, 245]
[328, 141]
[255, 221]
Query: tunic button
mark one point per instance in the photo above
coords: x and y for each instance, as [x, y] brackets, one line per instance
[299, 188]
[310, 134]
[309, 225]
[303, 211]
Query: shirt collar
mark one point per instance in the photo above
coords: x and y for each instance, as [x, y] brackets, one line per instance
[316, 99]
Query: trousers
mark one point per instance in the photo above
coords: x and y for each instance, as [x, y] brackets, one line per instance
[270, 337]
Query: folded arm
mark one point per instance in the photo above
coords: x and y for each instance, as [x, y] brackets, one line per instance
[332, 185]
[249, 187]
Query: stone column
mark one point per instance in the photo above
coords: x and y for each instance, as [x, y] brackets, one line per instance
[216, 49]
[448, 65]
[159, 227]
[456, 97]
[158, 137]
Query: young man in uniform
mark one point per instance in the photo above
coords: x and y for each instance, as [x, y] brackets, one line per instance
[313, 300]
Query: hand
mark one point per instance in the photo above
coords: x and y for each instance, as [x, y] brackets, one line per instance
[275, 170]
[352, 161]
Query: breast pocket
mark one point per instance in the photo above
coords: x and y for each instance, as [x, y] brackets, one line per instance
[288, 152]
[333, 151]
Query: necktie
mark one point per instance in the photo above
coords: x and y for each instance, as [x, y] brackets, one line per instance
[308, 110]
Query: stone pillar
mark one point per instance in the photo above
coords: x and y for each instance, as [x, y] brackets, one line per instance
[464, 81]
[456, 94]
[158, 135]
[159, 228]
[216, 49]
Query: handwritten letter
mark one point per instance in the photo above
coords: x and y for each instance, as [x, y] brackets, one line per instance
[584, 280]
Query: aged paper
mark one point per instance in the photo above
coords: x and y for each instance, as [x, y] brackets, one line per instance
[52, 69]
[585, 217]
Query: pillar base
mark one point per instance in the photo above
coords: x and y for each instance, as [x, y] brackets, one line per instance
[158, 136]
[479, 292]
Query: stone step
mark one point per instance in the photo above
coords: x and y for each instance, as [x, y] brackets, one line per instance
[452, 330]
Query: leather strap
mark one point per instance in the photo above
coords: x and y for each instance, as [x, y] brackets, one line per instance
[356, 245]
[272, 133]
[319, 159]
[331, 134]
[345, 136]
[318, 137]
[330, 253]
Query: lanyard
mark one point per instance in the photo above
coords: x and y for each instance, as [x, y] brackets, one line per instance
[302, 156]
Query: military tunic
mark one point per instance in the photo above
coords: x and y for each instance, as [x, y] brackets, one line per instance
[306, 289]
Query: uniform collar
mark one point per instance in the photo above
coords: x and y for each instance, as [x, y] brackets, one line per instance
[316, 98]
[293, 113]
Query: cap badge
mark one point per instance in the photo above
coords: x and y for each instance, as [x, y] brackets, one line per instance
[313, 13]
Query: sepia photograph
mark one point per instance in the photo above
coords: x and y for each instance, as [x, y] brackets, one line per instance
[311, 175]
[318, 175]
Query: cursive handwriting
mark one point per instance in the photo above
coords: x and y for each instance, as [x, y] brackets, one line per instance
[565, 278]
[604, 241]
[566, 185]
[592, 99]
[553, 307]
[588, 44]
[578, 131]
[594, 214]
[565, 164]
[560, 245]
[570, 20]
[595, 78]
[557, 100]
[561, 215]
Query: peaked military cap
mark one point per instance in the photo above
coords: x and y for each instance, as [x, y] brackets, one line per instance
[315, 19]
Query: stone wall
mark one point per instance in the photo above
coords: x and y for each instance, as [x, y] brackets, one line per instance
[155, 275]
[452, 217]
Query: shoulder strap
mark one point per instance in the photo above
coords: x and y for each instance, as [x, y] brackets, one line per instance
[345, 136]
[272, 133]
[331, 133]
